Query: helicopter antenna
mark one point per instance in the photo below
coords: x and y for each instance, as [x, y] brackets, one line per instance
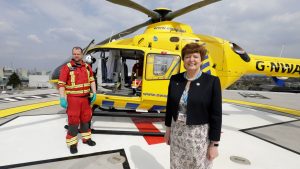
[282, 49]
[111, 36]
[213, 30]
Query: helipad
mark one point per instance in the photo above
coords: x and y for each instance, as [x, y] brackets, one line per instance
[252, 139]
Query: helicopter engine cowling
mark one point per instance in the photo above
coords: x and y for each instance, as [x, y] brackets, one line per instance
[240, 51]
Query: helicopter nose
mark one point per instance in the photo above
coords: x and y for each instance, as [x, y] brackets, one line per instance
[55, 75]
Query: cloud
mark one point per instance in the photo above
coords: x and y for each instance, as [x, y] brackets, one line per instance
[69, 34]
[5, 26]
[286, 17]
[34, 38]
[260, 27]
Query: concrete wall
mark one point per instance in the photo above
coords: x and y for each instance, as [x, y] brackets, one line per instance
[1, 72]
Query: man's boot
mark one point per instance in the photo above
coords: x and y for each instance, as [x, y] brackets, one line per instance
[73, 149]
[90, 142]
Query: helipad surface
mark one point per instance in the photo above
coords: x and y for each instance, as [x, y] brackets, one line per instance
[33, 140]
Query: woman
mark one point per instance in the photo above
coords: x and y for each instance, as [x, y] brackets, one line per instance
[193, 114]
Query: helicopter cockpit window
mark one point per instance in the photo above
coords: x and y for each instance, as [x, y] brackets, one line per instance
[162, 66]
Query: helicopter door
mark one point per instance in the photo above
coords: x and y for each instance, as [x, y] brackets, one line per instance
[158, 71]
[113, 71]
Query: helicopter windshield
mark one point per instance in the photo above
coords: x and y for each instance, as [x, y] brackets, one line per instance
[56, 72]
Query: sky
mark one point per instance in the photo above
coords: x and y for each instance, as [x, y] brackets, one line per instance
[37, 34]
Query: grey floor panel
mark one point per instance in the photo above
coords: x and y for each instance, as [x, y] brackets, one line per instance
[115, 159]
[285, 135]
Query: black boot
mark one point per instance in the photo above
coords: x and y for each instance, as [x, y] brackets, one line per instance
[73, 149]
[90, 142]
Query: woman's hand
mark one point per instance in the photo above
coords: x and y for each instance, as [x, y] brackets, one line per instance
[212, 152]
[167, 135]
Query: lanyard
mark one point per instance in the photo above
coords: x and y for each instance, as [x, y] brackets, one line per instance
[185, 92]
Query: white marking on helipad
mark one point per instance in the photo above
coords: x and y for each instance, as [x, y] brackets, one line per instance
[54, 94]
[229, 107]
[38, 97]
[21, 98]
[10, 99]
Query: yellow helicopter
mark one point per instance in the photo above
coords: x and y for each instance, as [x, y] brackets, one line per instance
[156, 55]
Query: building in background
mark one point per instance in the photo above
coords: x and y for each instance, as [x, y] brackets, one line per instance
[29, 78]
[1, 79]
[23, 75]
[5, 73]
[22, 72]
[264, 83]
[1, 72]
[39, 81]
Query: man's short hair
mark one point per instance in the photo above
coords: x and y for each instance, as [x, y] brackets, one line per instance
[77, 48]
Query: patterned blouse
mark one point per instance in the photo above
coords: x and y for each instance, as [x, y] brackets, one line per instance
[184, 97]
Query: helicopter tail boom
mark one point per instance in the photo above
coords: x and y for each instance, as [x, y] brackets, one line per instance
[274, 66]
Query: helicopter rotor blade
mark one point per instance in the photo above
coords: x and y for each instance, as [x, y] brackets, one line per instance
[126, 32]
[189, 8]
[136, 6]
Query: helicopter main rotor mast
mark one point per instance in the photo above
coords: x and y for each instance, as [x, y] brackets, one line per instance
[156, 15]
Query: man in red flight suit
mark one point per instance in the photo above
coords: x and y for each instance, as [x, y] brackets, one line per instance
[75, 81]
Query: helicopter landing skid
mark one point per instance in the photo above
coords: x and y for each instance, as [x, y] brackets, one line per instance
[132, 115]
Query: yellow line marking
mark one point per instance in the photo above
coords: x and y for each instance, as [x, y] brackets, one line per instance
[20, 109]
[266, 106]
[53, 81]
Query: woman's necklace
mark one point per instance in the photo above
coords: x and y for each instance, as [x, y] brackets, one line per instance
[194, 78]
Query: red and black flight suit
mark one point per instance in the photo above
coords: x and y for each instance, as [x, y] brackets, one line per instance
[77, 79]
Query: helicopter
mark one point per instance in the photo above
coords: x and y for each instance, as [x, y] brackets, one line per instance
[157, 54]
